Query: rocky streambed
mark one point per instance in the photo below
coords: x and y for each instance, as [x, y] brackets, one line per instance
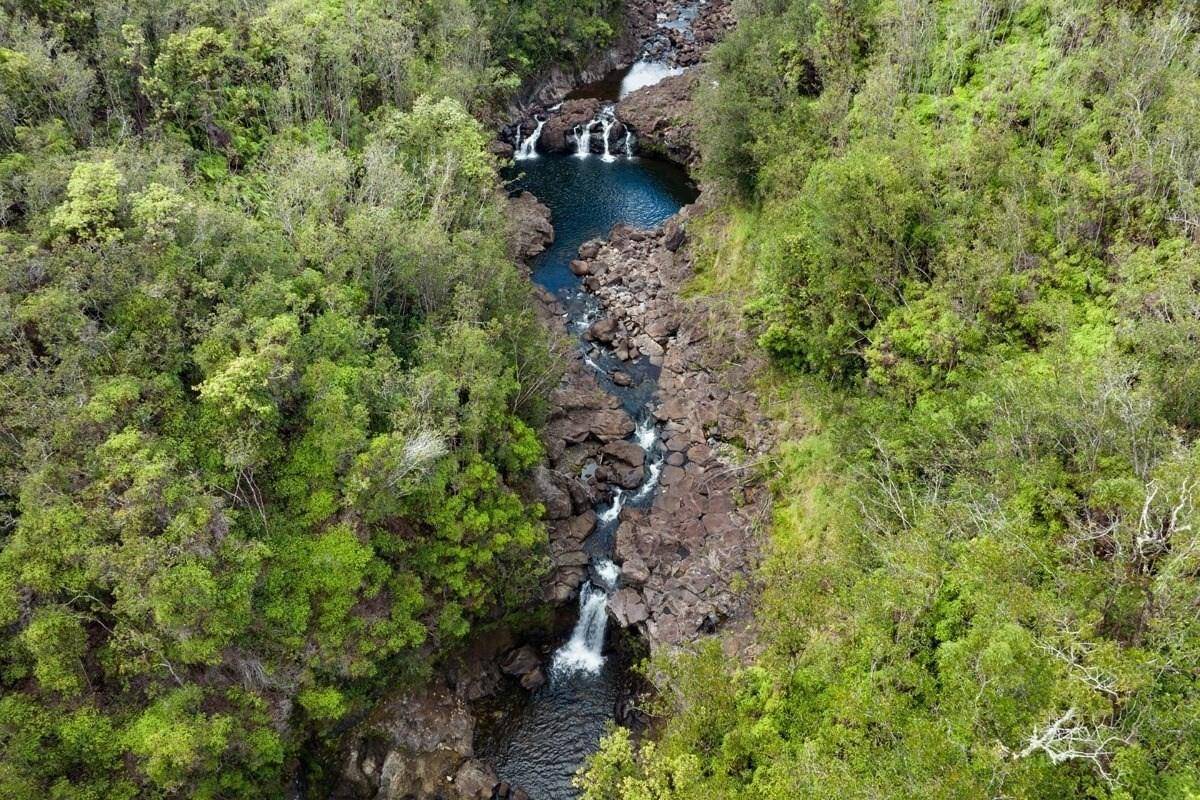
[651, 505]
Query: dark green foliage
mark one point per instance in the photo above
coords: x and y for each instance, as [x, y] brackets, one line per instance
[268, 381]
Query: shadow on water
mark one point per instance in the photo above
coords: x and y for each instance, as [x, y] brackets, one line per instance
[538, 742]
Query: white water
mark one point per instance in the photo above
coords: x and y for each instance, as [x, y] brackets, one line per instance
[629, 143]
[583, 140]
[607, 120]
[646, 73]
[528, 148]
[646, 434]
[608, 572]
[583, 651]
[655, 471]
[614, 510]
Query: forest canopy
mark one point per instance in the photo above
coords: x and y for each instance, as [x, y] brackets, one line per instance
[269, 379]
[972, 236]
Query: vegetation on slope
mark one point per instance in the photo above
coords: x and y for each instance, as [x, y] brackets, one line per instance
[268, 378]
[975, 235]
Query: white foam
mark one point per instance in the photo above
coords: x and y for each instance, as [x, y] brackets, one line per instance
[646, 73]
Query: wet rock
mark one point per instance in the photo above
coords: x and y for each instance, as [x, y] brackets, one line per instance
[475, 780]
[626, 452]
[603, 330]
[580, 268]
[525, 665]
[561, 124]
[622, 378]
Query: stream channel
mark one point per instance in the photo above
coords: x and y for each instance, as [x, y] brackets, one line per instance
[540, 743]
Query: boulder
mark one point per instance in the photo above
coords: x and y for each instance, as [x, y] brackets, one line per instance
[521, 660]
[529, 223]
[603, 330]
[627, 607]
[635, 572]
[590, 249]
[553, 490]
[626, 452]
[475, 781]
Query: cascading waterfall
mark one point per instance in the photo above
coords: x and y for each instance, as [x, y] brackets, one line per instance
[583, 139]
[629, 143]
[646, 73]
[584, 650]
[607, 119]
[528, 148]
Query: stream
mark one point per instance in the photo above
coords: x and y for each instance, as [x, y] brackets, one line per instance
[540, 743]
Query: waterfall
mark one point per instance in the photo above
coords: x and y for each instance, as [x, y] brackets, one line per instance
[629, 143]
[607, 120]
[608, 573]
[646, 73]
[583, 140]
[583, 651]
[528, 149]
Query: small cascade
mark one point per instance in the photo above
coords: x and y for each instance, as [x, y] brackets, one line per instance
[628, 143]
[583, 140]
[583, 652]
[653, 473]
[646, 73]
[607, 119]
[614, 510]
[608, 573]
[527, 149]
[646, 434]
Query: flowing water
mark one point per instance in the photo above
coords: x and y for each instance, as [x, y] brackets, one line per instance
[539, 744]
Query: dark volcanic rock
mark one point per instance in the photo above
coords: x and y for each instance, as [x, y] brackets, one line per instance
[662, 117]
[561, 124]
[529, 222]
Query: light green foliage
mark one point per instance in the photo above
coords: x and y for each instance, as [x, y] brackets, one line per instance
[93, 200]
[269, 382]
[969, 228]
[56, 641]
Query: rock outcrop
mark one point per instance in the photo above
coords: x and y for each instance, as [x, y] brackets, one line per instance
[663, 118]
[530, 229]
[421, 747]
